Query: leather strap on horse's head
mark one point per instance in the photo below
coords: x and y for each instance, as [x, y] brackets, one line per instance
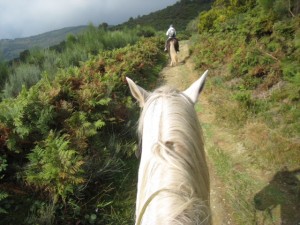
[146, 204]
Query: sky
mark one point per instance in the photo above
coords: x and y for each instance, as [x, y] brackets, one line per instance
[24, 18]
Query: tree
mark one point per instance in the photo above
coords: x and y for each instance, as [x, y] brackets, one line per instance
[24, 55]
[103, 26]
[281, 7]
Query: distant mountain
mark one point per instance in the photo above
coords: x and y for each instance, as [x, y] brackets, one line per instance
[11, 48]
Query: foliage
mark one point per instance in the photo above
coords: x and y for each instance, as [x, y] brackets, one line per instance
[3, 73]
[69, 139]
[34, 62]
[252, 52]
[221, 12]
[24, 74]
[179, 14]
[54, 167]
[282, 8]
[41, 213]
[3, 195]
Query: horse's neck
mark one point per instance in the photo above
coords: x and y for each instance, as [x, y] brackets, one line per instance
[150, 136]
[159, 173]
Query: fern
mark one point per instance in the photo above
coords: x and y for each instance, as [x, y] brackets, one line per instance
[3, 195]
[54, 167]
[57, 123]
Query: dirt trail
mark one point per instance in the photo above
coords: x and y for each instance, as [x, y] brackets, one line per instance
[181, 76]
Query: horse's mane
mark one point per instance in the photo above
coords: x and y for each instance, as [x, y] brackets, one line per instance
[185, 190]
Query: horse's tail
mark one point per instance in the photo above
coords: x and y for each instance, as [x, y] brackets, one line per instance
[176, 44]
[173, 53]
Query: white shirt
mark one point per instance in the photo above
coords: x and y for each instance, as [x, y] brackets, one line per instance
[171, 31]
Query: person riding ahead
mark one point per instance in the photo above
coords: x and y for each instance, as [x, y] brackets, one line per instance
[171, 33]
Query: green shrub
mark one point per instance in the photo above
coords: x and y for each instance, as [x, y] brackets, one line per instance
[73, 136]
[207, 19]
[3, 194]
[266, 4]
[24, 75]
[281, 8]
[69, 53]
[54, 167]
[146, 31]
[3, 73]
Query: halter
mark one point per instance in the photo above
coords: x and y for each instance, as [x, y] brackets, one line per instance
[146, 204]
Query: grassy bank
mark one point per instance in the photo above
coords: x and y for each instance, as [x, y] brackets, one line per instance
[254, 90]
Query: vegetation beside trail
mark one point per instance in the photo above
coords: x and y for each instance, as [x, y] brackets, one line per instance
[32, 64]
[67, 144]
[252, 50]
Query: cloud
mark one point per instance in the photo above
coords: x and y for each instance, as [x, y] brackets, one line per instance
[19, 18]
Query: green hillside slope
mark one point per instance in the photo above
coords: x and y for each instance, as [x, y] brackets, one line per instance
[179, 14]
[12, 48]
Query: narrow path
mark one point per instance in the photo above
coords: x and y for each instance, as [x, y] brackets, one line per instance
[180, 77]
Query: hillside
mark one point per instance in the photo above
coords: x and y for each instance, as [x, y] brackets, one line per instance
[179, 14]
[12, 48]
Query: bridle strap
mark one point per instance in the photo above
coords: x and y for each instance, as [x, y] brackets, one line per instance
[139, 219]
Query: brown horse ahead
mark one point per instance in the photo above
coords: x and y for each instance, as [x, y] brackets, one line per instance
[176, 44]
[173, 48]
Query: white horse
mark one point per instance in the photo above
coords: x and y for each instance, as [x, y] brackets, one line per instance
[173, 179]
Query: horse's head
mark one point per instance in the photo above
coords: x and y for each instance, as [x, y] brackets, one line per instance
[282, 188]
[266, 198]
[142, 96]
[173, 172]
[192, 92]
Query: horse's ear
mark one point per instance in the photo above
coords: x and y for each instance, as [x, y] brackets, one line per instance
[137, 92]
[195, 89]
